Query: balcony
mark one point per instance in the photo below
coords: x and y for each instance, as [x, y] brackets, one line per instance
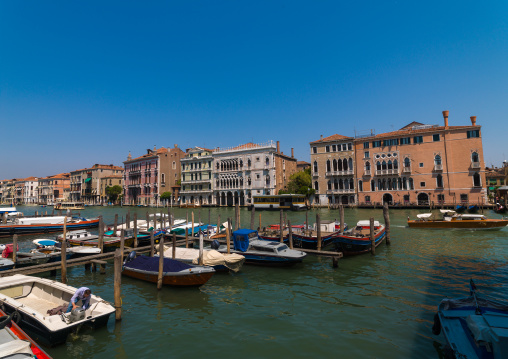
[475, 165]
[406, 170]
[438, 167]
[367, 173]
[196, 181]
[340, 191]
[387, 172]
[340, 173]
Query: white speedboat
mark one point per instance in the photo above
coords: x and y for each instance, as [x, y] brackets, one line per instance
[33, 297]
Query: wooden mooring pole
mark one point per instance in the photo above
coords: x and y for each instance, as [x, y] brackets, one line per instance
[341, 214]
[152, 244]
[192, 229]
[252, 217]
[372, 240]
[174, 245]
[14, 248]
[117, 285]
[290, 235]
[128, 219]
[318, 227]
[161, 263]
[115, 225]
[135, 232]
[281, 227]
[386, 214]
[228, 236]
[100, 240]
[122, 242]
[63, 253]
[200, 248]
[218, 224]
[237, 217]
[259, 228]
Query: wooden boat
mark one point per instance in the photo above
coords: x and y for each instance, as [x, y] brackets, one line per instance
[15, 343]
[473, 209]
[34, 225]
[307, 238]
[261, 252]
[143, 236]
[474, 326]
[53, 247]
[357, 240]
[452, 219]
[460, 208]
[175, 273]
[6, 264]
[221, 262]
[110, 243]
[32, 297]
[79, 235]
[24, 259]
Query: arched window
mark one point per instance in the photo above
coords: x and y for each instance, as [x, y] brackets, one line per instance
[390, 165]
[351, 184]
[384, 184]
[360, 186]
[383, 165]
[350, 163]
[389, 184]
[378, 166]
[241, 163]
[367, 166]
[394, 183]
[315, 167]
[437, 160]
[372, 185]
[341, 184]
[346, 184]
[395, 164]
[411, 186]
[407, 162]
[328, 166]
[477, 180]
[439, 181]
[329, 185]
[404, 183]
[379, 185]
[400, 183]
[316, 186]
[335, 165]
[267, 161]
[474, 157]
[339, 165]
[344, 165]
[336, 184]
[248, 162]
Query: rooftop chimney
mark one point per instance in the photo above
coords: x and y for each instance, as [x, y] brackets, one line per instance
[278, 147]
[321, 136]
[473, 120]
[292, 152]
[445, 115]
[129, 157]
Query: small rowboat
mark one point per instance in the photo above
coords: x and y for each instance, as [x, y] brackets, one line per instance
[14, 341]
[175, 273]
[357, 240]
[474, 326]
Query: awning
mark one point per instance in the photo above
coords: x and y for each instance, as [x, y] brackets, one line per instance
[88, 180]
[492, 188]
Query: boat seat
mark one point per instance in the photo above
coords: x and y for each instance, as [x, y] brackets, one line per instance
[496, 321]
[5, 336]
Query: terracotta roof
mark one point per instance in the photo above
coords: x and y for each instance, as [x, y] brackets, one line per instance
[151, 154]
[414, 123]
[335, 137]
[247, 145]
[403, 131]
[112, 176]
[302, 163]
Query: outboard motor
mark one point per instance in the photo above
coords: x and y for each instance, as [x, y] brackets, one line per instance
[77, 315]
[215, 244]
[130, 257]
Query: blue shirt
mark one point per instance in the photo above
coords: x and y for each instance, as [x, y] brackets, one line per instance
[80, 295]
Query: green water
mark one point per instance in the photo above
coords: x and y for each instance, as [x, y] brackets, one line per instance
[369, 307]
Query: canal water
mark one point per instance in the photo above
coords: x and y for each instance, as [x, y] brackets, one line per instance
[369, 307]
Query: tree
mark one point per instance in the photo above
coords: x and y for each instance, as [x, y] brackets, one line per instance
[300, 183]
[166, 196]
[114, 192]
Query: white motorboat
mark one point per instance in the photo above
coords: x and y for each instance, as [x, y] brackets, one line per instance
[33, 297]
[79, 235]
[212, 258]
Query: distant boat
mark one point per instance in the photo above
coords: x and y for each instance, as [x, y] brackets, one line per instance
[460, 208]
[474, 326]
[452, 219]
[472, 209]
[307, 238]
[34, 225]
[175, 273]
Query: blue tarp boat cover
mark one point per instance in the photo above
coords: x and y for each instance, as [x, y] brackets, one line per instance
[47, 242]
[241, 239]
[152, 264]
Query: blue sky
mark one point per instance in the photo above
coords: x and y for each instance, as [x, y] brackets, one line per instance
[87, 82]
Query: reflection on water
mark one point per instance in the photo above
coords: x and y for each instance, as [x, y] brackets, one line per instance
[369, 307]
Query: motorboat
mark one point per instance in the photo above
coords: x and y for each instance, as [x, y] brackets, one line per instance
[6, 264]
[212, 258]
[79, 235]
[32, 298]
[474, 326]
[357, 240]
[307, 237]
[33, 225]
[452, 219]
[175, 273]
[24, 259]
[260, 252]
[15, 343]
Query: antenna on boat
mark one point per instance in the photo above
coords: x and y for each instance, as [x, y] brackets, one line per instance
[472, 287]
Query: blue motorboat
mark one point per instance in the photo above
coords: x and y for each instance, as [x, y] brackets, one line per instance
[261, 252]
[474, 326]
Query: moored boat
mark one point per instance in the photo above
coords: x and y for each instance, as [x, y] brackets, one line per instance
[452, 219]
[175, 273]
[357, 240]
[34, 225]
[33, 297]
[474, 326]
[219, 261]
[307, 238]
[261, 252]
[24, 259]
[15, 343]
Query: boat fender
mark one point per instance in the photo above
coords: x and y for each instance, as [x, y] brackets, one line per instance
[436, 328]
[16, 316]
[215, 244]
[4, 320]
[130, 257]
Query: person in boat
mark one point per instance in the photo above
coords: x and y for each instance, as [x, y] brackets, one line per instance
[83, 294]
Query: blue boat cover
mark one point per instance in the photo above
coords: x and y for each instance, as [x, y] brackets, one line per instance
[151, 264]
[47, 242]
[241, 239]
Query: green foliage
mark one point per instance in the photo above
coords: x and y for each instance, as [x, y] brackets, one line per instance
[166, 195]
[114, 192]
[300, 183]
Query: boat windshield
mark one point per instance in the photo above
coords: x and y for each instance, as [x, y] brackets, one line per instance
[282, 248]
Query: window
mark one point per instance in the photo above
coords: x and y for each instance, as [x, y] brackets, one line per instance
[329, 185]
[407, 162]
[163, 177]
[334, 148]
[344, 147]
[440, 198]
[367, 166]
[474, 157]
[437, 160]
[316, 186]
[476, 180]
[327, 148]
[392, 142]
[435, 137]
[421, 164]
[463, 197]
[314, 149]
[366, 154]
[257, 175]
[439, 181]
[473, 133]
[315, 167]
[360, 186]
[365, 145]
[376, 144]
[405, 141]
[349, 146]
[418, 139]
[367, 199]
